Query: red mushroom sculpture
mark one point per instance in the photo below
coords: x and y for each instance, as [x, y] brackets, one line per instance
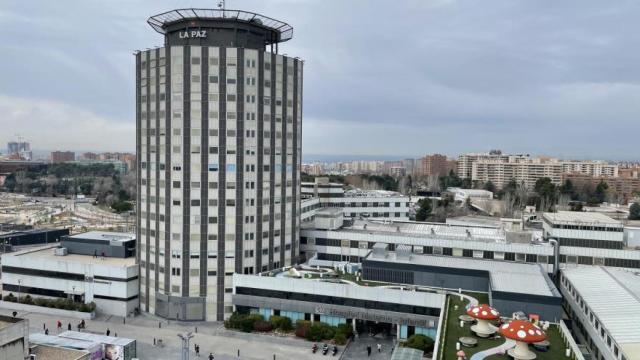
[484, 314]
[524, 333]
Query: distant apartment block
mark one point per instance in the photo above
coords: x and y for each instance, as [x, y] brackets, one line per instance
[466, 161]
[436, 165]
[500, 169]
[624, 188]
[89, 156]
[62, 156]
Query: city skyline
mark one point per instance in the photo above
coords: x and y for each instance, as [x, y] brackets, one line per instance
[489, 76]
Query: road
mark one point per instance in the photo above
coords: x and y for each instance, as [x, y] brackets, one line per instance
[212, 337]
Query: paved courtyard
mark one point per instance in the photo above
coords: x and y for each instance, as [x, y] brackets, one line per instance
[357, 350]
[212, 337]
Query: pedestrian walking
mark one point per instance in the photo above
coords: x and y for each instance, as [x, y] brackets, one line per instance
[108, 332]
[46, 331]
[368, 350]
[95, 254]
[115, 334]
[59, 324]
[69, 327]
[211, 356]
[379, 347]
[44, 326]
[197, 348]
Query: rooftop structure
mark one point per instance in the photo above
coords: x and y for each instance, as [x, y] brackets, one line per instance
[576, 217]
[247, 28]
[583, 229]
[46, 352]
[14, 337]
[48, 254]
[110, 282]
[104, 236]
[607, 303]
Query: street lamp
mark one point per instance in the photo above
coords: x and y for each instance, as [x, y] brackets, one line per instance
[73, 293]
[19, 284]
[185, 344]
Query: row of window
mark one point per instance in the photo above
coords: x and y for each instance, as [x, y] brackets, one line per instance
[484, 254]
[335, 300]
[592, 318]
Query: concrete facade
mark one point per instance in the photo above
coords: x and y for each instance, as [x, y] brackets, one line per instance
[219, 124]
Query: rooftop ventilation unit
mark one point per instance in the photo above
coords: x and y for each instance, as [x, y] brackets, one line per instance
[61, 251]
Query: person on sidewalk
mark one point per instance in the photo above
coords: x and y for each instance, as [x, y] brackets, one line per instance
[46, 331]
[197, 348]
[211, 356]
[59, 324]
[69, 327]
[108, 332]
[379, 347]
[368, 350]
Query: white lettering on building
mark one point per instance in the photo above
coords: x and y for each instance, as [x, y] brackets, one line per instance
[192, 34]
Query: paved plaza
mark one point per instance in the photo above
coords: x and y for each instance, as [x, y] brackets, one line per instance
[212, 337]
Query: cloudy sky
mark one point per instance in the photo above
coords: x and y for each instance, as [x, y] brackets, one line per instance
[381, 77]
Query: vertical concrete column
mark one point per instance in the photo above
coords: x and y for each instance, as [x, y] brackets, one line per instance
[398, 332]
[353, 325]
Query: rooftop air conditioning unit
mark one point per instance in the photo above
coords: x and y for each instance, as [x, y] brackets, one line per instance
[61, 251]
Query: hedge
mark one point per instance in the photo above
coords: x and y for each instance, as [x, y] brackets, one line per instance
[64, 304]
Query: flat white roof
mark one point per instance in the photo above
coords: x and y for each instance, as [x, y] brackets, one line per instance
[47, 253]
[429, 230]
[613, 295]
[506, 276]
[580, 217]
[104, 235]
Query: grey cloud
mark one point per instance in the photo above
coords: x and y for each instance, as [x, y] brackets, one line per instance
[449, 75]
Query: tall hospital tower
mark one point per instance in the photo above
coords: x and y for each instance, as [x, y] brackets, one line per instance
[219, 120]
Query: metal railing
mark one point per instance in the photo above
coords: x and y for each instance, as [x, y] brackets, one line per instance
[565, 333]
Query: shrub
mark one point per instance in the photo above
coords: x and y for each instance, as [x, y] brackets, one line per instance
[420, 342]
[282, 323]
[10, 298]
[320, 331]
[42, 302]
[262, 326]
[242, 322]
[340, 338]
[27, 300]
[346, 329]
[302, 328]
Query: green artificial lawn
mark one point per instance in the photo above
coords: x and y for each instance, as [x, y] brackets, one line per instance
[454, 332]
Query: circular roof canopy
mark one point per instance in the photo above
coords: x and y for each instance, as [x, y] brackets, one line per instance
[160, 22]
[483, 312]
[522, 330]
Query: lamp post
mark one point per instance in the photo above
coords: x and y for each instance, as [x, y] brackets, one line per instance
[19, 284]
[73, 293]
[185, 344]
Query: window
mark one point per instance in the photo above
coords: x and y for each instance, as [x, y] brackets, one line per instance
[176, 184]
[231, 81]
[213, 79]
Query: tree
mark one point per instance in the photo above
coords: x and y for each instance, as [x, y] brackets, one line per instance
[489, 186]
[547, 193]
[634, 211]
[568, 189]
[424, 209]
[601, 192]
[420, 342]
